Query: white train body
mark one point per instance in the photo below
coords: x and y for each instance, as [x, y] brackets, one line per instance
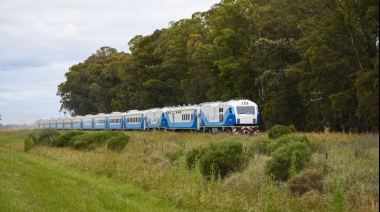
[229, 116]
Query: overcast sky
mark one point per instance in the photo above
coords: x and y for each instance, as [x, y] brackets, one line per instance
[41, 39]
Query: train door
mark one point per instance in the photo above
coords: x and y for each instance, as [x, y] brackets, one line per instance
[173, 117]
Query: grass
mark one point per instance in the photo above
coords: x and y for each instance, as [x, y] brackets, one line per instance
[350, 162]
[32, 183]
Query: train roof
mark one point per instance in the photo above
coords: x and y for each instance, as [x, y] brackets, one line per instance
[179, 107]
[232, 102]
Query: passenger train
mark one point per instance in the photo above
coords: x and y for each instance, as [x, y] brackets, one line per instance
[237, 116]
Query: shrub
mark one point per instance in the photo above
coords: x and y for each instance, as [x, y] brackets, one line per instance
[40, 138]
[292, 128]
[307, 180]
[293, 156]
[28, 144]
[118, 142]
[66, 139]
[218, 159]
[278, 131]
[287, 139]
[264, 145]
[80, 145]
[175, 156]
[91, 140]
[193, 155]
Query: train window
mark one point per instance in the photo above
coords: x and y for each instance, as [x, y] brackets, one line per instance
[115, 121]
[245, 109]
[220, 110]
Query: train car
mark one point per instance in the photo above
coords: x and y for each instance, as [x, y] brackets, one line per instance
[38, 124]
[134, 120]
[101, 121]
[60, 123]
[238, 116]
[68, 123]
[181, 118]
[46, 124]
[88, 122]
[77, 122]
[153, 118]
[43, 124]
[116, 121]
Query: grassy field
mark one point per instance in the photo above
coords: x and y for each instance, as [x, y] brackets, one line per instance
[32, 183]
[351, 162]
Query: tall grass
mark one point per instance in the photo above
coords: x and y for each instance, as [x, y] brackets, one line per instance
[145, 162]
[31, 183]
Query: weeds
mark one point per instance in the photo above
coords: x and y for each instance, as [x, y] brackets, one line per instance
[155, 161]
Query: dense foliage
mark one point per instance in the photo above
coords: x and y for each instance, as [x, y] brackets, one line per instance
[313, 64]
[278, 131]
[292, 156]
[218, 159]
[118, 142]
[80, 140]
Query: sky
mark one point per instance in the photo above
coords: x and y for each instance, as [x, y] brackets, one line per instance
[41, 39]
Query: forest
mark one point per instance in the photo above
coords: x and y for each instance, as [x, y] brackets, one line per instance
[313, 64]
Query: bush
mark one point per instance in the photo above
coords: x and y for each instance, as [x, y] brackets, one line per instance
[80, 145]
[287, 160]
[40, 138]
[278, 131]
[193, 155]
[292, 128]
[28, 144]
[264, 145]
[118, 142]
[91, 140]
[66, 139]
[287, 139]
[307, 180]
[175, 156]
[218, 158]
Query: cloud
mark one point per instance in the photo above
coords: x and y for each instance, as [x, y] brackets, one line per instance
[41, 39]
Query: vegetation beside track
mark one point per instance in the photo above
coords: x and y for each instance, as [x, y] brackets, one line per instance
[346, 167]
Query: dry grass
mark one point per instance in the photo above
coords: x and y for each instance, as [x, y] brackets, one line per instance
[352, 159]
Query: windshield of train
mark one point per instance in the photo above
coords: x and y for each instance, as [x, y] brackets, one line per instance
[245, 109]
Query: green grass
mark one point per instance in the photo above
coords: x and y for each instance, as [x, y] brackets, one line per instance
[350, 163]
[32, 183]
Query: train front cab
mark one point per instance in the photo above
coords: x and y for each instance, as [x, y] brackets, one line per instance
[247, 117]
[230, 116]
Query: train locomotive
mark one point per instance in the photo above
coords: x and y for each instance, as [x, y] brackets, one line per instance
[237, 116]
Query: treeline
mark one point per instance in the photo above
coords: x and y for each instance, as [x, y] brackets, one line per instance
[313, 64]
